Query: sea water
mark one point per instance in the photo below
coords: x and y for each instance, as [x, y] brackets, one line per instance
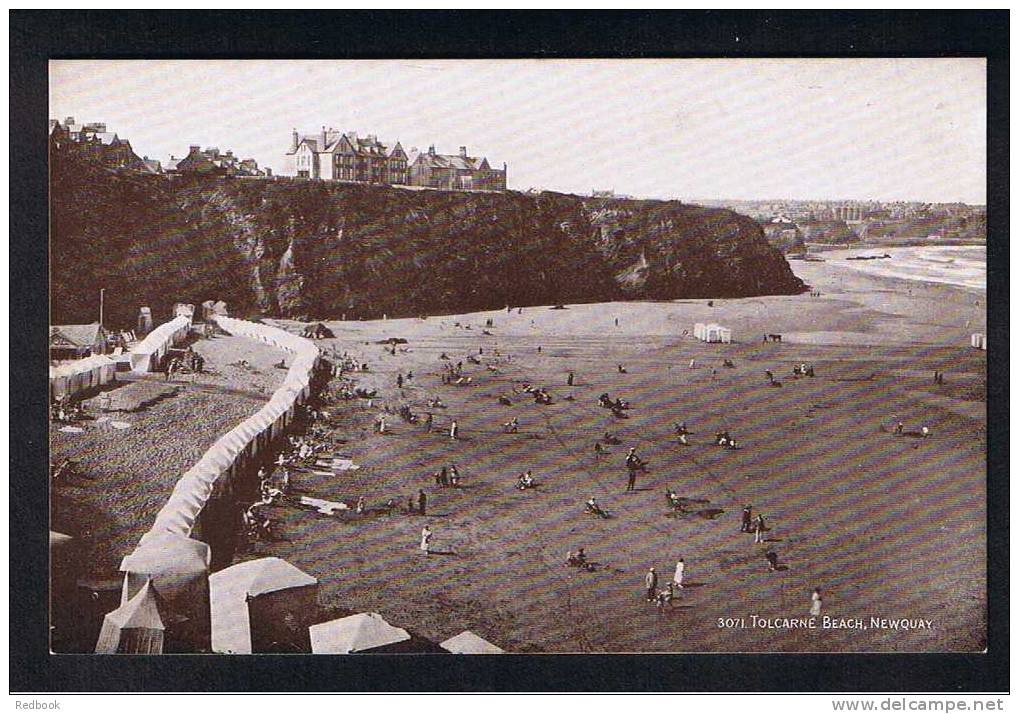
[964, 266]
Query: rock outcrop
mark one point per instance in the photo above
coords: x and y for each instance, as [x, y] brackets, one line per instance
[300, 248]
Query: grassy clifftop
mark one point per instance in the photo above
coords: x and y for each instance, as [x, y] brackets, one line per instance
[299, 248]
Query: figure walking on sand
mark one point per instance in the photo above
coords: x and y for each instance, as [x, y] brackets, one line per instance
[651, 583]
[759, 529]
[454, 430]
[426, 540]
[815, 603]
[747, 522]
[678, 577]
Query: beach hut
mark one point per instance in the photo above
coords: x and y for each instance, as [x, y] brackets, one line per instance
[469, 643]
[136, 627]
[712, 332]
[978, 340]
[177, 569]
[362, 633]
[261, 605]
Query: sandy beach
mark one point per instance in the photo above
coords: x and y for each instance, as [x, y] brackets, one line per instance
[887, 526]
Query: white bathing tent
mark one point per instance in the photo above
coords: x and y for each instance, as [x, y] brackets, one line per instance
[469, 643]
[135, 627]
[365, 632]
[712, 332]
[253, 603]
[979, 340]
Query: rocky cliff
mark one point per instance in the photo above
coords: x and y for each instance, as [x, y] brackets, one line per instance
[310, 249]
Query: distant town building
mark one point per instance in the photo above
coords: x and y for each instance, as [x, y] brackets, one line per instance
[456, 172]
[210, 162]
[92, 141]
[345, 156]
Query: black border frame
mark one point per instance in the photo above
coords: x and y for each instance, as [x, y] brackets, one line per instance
[37, 36]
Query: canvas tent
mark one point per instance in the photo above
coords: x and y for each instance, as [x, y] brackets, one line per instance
[147, 355]
[74, 377]
[258, 604]
[979, 340]
[712, 332]
[469, 643]
[177, 569]
[366, 632]
[135, 627]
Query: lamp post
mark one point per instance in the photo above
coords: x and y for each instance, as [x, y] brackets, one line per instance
[101, 291]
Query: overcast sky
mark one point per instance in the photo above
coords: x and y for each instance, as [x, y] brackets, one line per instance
[910, 129]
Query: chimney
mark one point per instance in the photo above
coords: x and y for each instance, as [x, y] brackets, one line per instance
[293, 141]
[194, 148]
[68, 121]
[463, 151]
[322, 146]
[431, 150]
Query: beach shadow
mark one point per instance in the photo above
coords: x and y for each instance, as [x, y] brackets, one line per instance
[443, 552]
[710, 513]
[687, 586]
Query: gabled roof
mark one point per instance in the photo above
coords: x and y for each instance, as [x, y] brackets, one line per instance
[357, 633]
[152, 165]
[469, 643]
[140, 611]
[81, 335]
[230, 589]
[452, 161]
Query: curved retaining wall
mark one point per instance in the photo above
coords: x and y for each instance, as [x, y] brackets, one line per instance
[147, 354]
[239, 446]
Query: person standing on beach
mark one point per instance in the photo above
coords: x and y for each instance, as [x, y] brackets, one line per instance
[426, 540]
[759, 529]
[815, 603]
[651, 583]
[428, 422]
[422, 502]
[399, 381]
[678, 577]
[745, 526]
[454, 430]
[898, 428]
[569, 380]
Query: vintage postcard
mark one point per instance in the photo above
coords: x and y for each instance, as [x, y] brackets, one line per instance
[518, 356]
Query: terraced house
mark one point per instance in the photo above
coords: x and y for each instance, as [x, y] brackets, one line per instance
[334, 155]
[346, 156]
[456, 172]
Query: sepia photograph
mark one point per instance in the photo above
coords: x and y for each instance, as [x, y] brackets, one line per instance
[528, 356]
[664, 368]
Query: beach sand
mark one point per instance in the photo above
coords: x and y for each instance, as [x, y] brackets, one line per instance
[887, 526]
[131, 472]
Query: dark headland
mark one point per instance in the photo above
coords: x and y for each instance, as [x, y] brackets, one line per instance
[288, 248]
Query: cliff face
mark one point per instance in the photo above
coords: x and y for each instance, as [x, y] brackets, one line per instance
[299, 248]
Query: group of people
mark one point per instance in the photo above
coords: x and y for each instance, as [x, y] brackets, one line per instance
[723, 439]
[749, 524]
[447, 476]
[665, 596]
[67, 409]
[803, 370]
